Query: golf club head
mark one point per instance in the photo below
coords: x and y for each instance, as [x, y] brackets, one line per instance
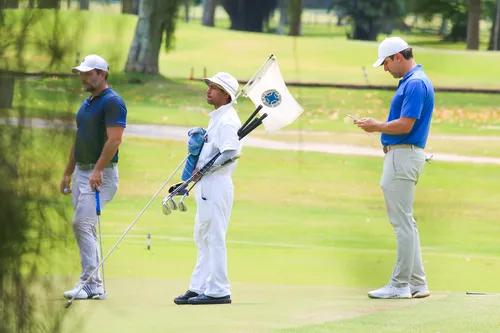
[172, 204]
[166, 208]
[182, 206]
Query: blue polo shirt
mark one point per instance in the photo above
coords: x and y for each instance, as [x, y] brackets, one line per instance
[105, 110]
[414, 98]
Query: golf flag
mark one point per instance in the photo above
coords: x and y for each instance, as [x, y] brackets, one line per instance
[270, 91]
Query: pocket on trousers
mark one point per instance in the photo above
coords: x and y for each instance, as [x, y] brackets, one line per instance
[204, 211]
[407, 165]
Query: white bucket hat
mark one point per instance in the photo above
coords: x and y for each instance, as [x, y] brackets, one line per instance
[388, 47]
[91, 62]
[227, 82]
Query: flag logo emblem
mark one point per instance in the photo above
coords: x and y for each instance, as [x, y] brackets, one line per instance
[271, 98]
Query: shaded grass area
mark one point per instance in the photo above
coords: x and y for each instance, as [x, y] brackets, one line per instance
[158, 100]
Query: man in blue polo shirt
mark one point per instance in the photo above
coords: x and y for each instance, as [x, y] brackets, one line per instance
[93, 160]
[404, 136]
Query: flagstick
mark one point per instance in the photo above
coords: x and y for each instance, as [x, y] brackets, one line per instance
[257, 72]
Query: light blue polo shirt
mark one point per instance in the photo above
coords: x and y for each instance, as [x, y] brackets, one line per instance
[413, 99]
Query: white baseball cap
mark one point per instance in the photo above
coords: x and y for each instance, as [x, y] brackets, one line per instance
[388, 47]
[227, 82]
[91, 62]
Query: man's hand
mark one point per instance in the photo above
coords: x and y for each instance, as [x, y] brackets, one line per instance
[368, 124]
[195, 171]
[65, 183]
[95, 180]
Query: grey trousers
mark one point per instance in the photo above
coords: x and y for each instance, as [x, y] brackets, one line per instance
[85, 217]
[402, 168]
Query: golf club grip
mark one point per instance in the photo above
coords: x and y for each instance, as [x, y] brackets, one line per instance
[249, 118]
[97, 203]
[253, 125]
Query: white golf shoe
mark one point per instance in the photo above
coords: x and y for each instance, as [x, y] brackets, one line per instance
[390, 291]
[419, 291]
[87, 292]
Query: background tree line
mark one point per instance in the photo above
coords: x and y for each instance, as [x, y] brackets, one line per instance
[366, 19]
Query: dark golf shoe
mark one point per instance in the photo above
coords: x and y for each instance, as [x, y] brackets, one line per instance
[183, 299]
[204, 299]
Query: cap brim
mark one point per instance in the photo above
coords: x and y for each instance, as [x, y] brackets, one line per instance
[379, 62]
[79, 69]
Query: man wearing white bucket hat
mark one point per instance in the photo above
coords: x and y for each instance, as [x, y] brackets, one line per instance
[404, 137]
[214, 195]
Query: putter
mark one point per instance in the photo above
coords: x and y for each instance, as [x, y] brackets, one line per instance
[476, 293]
[98, 212]
[70, 302]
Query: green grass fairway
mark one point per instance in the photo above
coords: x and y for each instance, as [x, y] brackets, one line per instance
[307, 239]
[274, 308]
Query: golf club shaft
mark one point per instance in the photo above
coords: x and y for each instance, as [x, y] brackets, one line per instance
[126, 231]
[98, 213]
[100, 246]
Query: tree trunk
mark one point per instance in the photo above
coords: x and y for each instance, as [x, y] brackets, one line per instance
[155, 18]
[186, 11]
[458, 31]
[9, 4]
[84, 4]
[295, 18]
[283, 17]
[49, 4]
[6, 90]
[130, 6]
[473, 24]
[248, 15]
[365, 30]
[495, 35]
[31, 4]
[443, 29]
[340, 17]
[208, 18]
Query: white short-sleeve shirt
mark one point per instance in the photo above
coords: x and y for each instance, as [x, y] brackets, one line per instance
[221, 136]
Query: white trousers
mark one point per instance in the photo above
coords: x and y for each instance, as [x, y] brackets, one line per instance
[85, 218]
[402, 168]
[214, 199]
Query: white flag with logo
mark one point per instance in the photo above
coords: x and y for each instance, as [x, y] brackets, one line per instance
[270, 91]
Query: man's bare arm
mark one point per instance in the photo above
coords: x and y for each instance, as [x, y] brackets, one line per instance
[115, 134]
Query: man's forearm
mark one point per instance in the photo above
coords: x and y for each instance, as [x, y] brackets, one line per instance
[225, 155]
[108, 151]
[394, 127]
[70, 167]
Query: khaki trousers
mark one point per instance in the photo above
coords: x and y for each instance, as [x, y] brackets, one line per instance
[402, 169]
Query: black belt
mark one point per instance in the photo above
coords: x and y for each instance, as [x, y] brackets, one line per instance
[90, 166]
